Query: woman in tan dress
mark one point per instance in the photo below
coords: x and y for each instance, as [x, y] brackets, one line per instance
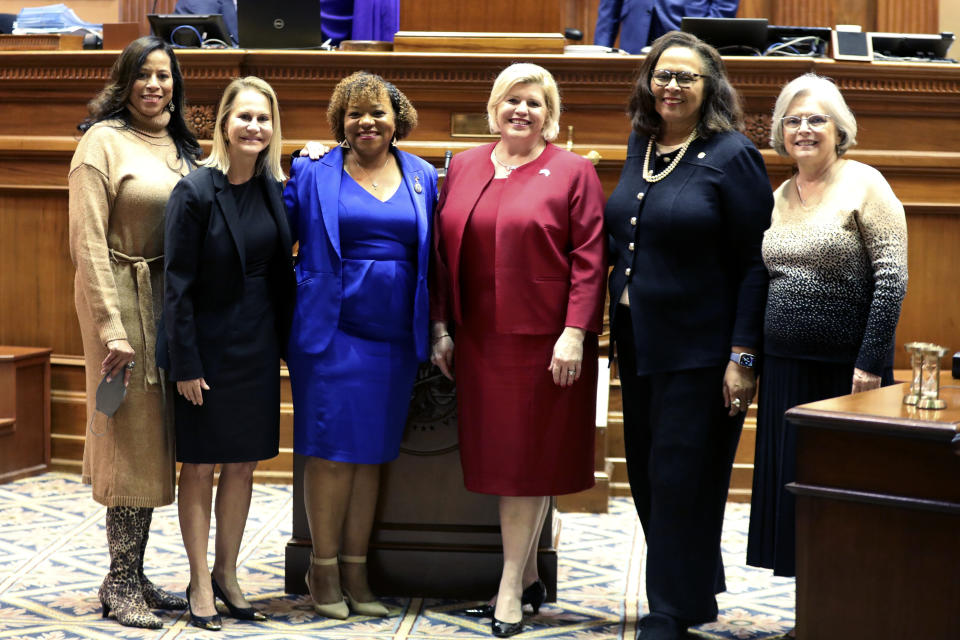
[135, 148]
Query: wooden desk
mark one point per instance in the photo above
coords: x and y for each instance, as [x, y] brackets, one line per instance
[24, 411]
[878, 517]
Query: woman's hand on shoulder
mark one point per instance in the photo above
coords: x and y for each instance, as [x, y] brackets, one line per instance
[864, 381]
[193, 390]
[314, 150]
[566, 365]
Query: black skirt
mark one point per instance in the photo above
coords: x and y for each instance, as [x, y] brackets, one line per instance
[785, 383]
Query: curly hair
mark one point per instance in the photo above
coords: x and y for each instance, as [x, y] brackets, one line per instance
[112, 101]
[720, 110]
[363, 85]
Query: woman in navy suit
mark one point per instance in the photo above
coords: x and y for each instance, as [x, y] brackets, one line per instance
[228, 290]
[687, 293]
[362, 216]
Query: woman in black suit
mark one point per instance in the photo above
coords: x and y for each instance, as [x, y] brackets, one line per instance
[229, 284]
[687, 296]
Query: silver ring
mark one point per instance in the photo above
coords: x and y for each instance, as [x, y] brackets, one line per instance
[131, 364]
[571, 371]
[736, 402]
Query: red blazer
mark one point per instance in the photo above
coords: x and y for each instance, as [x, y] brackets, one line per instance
[550, 263]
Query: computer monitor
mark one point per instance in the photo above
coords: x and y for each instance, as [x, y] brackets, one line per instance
[290, 24]
[730, 36]
[190, 30]
[911, 45]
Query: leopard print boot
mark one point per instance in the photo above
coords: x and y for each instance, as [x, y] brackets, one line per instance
[154, 596]
[120, 592]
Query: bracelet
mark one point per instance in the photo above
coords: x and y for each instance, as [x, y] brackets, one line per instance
[442, 335]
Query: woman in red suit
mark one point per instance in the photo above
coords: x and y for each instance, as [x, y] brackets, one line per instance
[520, 267]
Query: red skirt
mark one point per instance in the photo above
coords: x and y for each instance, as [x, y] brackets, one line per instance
[520, 434]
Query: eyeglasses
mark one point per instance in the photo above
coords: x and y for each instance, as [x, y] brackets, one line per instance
[817, 121]
[685, 79]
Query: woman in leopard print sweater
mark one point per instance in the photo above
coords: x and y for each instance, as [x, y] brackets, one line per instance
[836, 251]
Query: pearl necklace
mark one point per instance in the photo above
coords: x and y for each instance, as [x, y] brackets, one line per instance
[648, 175]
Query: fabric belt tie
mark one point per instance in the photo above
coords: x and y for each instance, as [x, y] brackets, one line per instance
[145, 305]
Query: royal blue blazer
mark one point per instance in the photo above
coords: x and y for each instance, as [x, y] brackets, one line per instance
[312, 198]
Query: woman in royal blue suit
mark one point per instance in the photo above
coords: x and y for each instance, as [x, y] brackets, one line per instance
[362, 216]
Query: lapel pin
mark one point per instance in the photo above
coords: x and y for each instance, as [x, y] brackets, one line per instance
[416, 184]
[701, 155]
[545, 172]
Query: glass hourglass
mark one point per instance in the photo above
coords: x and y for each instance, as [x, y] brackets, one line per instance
[930, 377]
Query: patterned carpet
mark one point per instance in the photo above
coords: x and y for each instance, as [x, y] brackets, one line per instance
[53, 558]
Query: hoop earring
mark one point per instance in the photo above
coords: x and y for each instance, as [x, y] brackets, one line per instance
[344, 144]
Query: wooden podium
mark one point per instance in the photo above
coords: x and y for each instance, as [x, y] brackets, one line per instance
[432, 537]
[878, 517]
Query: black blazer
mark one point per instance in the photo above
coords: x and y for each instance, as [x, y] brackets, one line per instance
[204, 266]
[697, 283]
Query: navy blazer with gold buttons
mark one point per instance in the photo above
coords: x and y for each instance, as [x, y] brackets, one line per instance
[697, 283]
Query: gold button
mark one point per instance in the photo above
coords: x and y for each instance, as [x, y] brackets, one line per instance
[627, 271]
[640, 196]
[630, 246]
[633, 221]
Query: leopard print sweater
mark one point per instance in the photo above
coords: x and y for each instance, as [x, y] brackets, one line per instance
[838, 270]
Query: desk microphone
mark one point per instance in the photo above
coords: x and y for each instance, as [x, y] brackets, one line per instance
[446, 160]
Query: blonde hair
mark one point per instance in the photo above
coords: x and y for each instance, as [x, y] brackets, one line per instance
[824, 90]
[269, 159]
[526, 73]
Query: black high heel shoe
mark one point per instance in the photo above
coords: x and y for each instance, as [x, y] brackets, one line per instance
[210, 623]
[240, 613]
[505, 629]
[534, 595]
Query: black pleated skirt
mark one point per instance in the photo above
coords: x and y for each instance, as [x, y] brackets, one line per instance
[784, 383]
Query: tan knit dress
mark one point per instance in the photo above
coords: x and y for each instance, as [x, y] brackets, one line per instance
[120, 180]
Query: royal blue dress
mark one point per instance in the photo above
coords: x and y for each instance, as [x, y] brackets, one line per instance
[351, 399]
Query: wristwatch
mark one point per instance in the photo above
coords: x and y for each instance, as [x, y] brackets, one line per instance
[744, 359]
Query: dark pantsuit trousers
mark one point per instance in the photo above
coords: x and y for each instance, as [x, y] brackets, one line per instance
[679, 444]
